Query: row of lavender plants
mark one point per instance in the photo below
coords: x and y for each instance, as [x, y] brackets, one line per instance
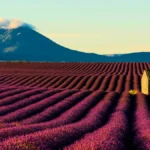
[111, 136]
[25, 99]
[142, 123]
[72, 115]
[64, 135]
[36, 107]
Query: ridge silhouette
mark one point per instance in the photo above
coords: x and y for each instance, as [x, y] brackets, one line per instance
[26, 44]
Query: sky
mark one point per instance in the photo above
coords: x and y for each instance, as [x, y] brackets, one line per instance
[94, 26]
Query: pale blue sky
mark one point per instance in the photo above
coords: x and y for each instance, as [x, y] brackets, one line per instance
[99, 26]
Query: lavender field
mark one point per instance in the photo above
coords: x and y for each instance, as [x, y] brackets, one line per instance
[73, 106]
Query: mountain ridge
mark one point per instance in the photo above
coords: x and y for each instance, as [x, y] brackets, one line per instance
[26, 44]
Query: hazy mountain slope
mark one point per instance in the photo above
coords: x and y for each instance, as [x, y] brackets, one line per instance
[26, 44]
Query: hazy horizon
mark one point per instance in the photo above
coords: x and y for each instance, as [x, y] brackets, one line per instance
[102, 27]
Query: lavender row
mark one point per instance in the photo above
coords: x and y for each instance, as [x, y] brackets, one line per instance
[9, 94]
[17, 97]
[56, 110]
[111, 136]
[70, 116]
[142, 123]
[78, 68]
[62, 136]
[36, 96]
[35, 108]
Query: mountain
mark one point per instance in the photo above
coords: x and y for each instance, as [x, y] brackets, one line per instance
[25, 44]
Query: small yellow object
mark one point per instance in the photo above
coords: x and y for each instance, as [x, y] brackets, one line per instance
[133, 92]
